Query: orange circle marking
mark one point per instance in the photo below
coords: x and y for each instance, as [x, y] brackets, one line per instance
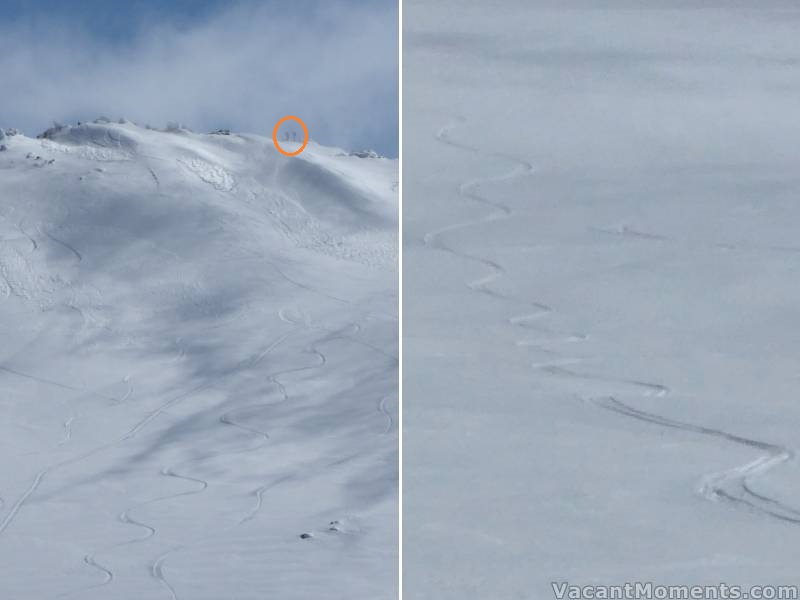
[275, 135]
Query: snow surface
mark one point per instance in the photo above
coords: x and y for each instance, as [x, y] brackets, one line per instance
[198, 365]
[601, 296]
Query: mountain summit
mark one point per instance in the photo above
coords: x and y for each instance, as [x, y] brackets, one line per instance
[199, 366]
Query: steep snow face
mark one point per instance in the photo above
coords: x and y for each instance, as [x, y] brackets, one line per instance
[601, 296]
[198, 366]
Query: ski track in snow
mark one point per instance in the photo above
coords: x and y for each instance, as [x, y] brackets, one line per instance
[732, 485]
[67, 430]
[155, 178]
[34, 243]
[387, 415]
[40, 476]
[108, 577]
[15, 508]
[635, 235]
[157, 567]
[38, 379]
[322, 361]
[125, 516]
[61, 244]
[129, 391]
[469, 190]
[8, 519]
[228, 417]
[150, 531]
[157, 572]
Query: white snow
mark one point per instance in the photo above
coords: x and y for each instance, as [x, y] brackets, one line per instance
[198, 364]
[601, 296]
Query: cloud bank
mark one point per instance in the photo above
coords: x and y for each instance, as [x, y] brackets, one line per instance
[334, 65]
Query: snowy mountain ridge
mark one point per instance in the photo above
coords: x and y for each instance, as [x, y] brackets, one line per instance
[365, 191]
[199, 366]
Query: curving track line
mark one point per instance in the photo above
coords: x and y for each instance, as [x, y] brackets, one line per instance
[150, 531]
[499, 211]
[228, 418]
[732, 485]
[157, 566]
[61, 243]
[14, 510]
[470, 190]
[322, 361]
[389, 419]
[133, 432]
[157, 572]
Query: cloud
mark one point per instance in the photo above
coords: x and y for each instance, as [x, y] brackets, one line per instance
[334, 65]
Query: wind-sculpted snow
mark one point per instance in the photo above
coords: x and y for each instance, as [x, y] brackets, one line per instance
[198, 365]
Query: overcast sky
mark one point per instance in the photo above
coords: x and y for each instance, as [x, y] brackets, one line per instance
[206, 63]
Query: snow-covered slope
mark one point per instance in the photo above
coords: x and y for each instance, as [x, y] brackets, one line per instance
[601, 296]
[198, 365]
